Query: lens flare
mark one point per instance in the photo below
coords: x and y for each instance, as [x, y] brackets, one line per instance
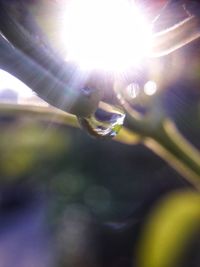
[108, 35]
[150, 88]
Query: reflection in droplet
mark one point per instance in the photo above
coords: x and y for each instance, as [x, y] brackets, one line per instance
[105, 122]
[150, 88]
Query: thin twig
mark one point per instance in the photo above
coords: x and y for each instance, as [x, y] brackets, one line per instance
[20, 38]
[47, 87]
[170, 145]
[53, 115]
[173, 38]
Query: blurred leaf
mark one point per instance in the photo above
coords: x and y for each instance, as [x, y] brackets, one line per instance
[25, 143]
[169, 229]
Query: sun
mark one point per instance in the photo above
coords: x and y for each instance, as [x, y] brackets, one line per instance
[105, 34]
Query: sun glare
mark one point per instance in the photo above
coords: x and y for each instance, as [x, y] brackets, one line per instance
[105, 34]
[12, 90]
[7, 81]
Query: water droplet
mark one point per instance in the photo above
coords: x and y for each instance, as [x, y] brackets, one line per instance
[105, 122]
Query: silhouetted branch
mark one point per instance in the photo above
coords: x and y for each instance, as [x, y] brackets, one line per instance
[175, 37]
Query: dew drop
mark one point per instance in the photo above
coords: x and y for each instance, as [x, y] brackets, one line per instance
[105, 122]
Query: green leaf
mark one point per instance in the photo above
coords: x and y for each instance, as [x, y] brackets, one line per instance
[169, 229]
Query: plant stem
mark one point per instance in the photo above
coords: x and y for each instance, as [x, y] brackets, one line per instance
[54, 115]
[32, 45]
[57, 82]
[53, 91]
[179, 35]
[169, 144]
